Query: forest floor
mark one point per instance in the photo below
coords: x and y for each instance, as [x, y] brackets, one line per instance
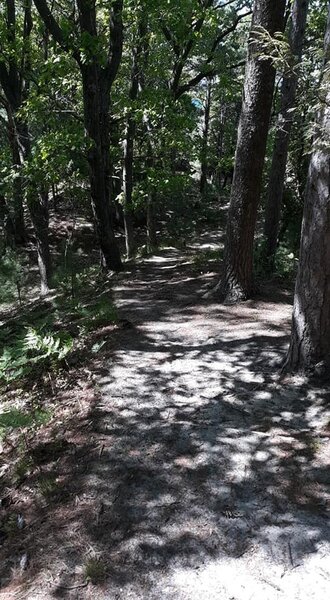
[186, 467]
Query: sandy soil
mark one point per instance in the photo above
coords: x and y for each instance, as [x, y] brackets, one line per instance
[207, 475]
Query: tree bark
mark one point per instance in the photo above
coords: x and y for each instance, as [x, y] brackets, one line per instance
[205, 139]
[38, 207]
[37, 201]
[282, 137]
[151, 223]
[310, 335]
[18, 195]
[237, 278]
[128, 186]
[96, 118]
[7, 227]
[130, 134]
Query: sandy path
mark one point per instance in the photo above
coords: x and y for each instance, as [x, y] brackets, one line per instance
[215, 473]
[203, 476]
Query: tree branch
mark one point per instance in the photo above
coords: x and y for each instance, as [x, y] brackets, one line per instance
[204, 72]
[170, 38]
[116, 41]
[51, 23]
[224, 34]
[194, 81]
[180, 64]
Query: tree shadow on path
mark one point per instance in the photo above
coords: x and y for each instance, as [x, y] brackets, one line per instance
[206, 453]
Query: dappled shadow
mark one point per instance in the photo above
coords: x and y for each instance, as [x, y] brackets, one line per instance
[196, 449]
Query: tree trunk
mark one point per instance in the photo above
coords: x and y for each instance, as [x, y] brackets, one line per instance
[7, 226]
[96, 117]
[97, 79]
[151, 224]
[129, 140]
[310, 334]
[281, 143]
[38, 207]
[205, 139]
[237, 279]
[128, 186]
[18, 195]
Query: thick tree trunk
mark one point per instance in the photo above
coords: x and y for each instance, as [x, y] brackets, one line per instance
[237, 279]
[205, 139]
[281, 143]
[96, 116]
[310, 335]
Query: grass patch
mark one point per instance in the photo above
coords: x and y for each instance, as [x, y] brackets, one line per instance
[48, 486]
[15, 418]
[95, 570]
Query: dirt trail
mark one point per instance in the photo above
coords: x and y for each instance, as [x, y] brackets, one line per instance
[211, 480]
[215, 471]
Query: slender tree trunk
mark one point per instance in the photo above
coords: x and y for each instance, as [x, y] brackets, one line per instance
[237, 279]
[96, 116]
[38, 207]
[205, 139]
[129, 138]
[151, 224]
[7, 226]
[310, 334]
[18, 195]
[128, 186]
[220, 144]
[15, 86]
[281, 143]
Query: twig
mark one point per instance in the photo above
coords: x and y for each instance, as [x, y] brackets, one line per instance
[290, 553]
[71, 587]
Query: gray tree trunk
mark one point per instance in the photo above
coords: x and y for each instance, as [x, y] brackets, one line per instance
[310, 334]
[237, 278]
[205, 139]
[282, 137]
[128, 170]
[128, 186]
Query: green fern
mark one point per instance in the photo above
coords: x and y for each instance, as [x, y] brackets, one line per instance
[35, 348]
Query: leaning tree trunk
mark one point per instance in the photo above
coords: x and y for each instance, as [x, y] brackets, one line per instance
[310, 334]
[96, 116]
[281, 143]
[237, 279]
